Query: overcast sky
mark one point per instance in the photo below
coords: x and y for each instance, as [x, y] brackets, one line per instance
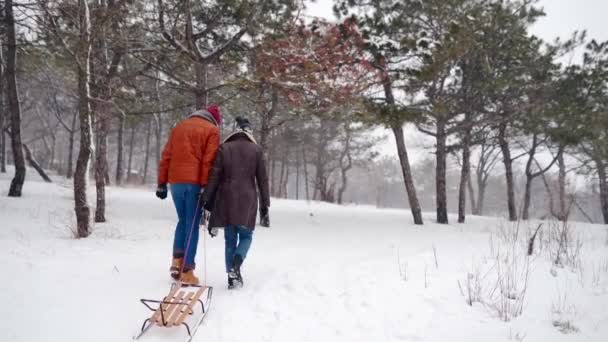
[562, 18]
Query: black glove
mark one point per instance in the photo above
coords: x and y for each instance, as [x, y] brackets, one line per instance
[212, 231]
[161, 191]
[206, 204]
[264, 217]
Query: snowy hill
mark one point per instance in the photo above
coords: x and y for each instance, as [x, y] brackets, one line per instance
[321, 273]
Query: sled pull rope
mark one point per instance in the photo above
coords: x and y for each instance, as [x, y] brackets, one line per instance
[198, 205]
[205, 246]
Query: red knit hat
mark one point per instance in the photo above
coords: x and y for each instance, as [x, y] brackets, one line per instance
[216, 113]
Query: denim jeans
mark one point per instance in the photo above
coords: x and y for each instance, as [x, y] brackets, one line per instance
[185, 198]
[238, 240]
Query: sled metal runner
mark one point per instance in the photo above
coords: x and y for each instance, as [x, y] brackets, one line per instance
[176, 306]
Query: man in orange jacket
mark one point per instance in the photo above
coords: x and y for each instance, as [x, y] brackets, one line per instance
[185, 164]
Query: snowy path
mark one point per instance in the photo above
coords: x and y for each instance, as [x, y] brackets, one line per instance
[321, 273]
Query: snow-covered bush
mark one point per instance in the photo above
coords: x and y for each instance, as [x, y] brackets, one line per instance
[472, 286]
[511, 265]
[564, 245]
[563, 312]
[500, 280]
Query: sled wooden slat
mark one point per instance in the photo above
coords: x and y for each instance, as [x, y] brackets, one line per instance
[190, 304]
[175, 304]
[180, 309]
[169, 298]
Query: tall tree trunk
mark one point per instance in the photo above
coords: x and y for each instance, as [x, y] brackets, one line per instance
[2, 148]
[481, 193]
[282, 174]
[144, 179]
[407, 175]
[529, 178]
[297, 177]
[273, 175]
[508, 162]
[527, 198]
[305, 162]
[601, 172]
[563, 211]
[2, 113]
[285, 180]
[53, 150]
[201, 96]
[472, 194]
[267, 114]
[158, 135]
[84, 155]
[465, 175]
[201, 66]
[344, 168]
[343, 185]
[440, 176]
[14, 105]
[120, 149]
[101, 161]
[403, 157]
[131, 147]
[71, 136]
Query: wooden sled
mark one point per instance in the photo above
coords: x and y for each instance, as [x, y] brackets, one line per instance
[176, 306]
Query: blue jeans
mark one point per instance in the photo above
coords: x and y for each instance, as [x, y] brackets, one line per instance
[238, 240]
[185, 198]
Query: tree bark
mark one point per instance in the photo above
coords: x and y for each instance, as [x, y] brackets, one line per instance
[440, 177]
[344, 168]
[273, 175]
[563, 211]
[603, 181]
[305, 162]
[267, 114]
[101, 161]
[33, 163]
[529, 178]
[14, 105]
[2, 113]
[282, 173]
[481, 194]
[158, 135]
[201, 96]
[51, 164]
[472, 194]
[403, 157]
[120, 149]
[297, 177]
[508, 162]
[2, 148]
[465, 176]
[71, 135]
[131, 147]
[84, 155]
[144, 178]
[407, 175]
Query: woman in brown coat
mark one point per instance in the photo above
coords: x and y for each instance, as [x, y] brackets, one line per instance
[232, 196]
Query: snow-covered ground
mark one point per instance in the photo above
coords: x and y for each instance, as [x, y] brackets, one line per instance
[321, 273]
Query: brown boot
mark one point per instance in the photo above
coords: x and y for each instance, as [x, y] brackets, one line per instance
[176, 266]
[188, 277]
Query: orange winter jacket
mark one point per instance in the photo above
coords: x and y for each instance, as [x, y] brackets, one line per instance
[189, 154]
